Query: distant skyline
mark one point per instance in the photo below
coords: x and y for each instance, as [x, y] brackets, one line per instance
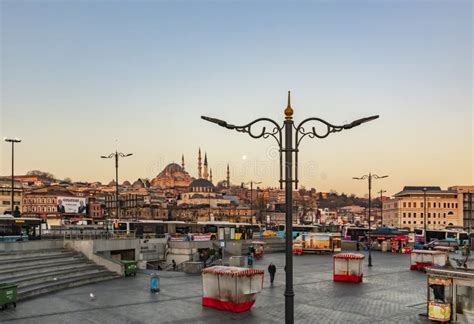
[80, 79]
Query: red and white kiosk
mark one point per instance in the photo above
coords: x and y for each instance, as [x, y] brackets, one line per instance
[231, 288]
[348, 267]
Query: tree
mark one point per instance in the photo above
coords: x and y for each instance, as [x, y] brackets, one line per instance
[41, 174]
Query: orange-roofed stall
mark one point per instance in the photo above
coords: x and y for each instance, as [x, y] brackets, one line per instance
[231, 288]
[347, 267]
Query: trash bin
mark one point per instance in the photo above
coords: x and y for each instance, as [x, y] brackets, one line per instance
[154, 283]
[7, 295]
[130, 267]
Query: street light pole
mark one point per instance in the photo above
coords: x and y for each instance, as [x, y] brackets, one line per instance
[251, 198]
[381, 192]
[369, 178]
[116, 155]
[424, 214]
[13, 141]
[289, 147]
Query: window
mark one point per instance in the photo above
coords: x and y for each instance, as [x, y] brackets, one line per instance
[414, 215]
[421, 214]
[429, 205]
[421, 205]
[414, 222]
[404, 205]
[404, 222]
[429, 222]
[409, 214]
[414, 205]
[429, 215]
[456, 205]
[409, 222]
[444, 215]
[404, 215]
[409, 205]
[444, 205]
[421, 222]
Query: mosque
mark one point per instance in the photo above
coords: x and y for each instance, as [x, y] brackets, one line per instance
[175, 177]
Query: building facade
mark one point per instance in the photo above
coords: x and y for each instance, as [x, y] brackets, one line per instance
[6, 195]
[466, 205]
[407, 208]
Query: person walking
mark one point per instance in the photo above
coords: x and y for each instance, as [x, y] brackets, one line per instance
[173, 263]
[250, 260]
[272, 270]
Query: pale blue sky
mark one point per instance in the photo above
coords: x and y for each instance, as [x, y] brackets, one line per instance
[82, 77]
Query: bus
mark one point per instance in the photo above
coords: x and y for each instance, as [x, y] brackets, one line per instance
[354, 233]
[14, 229]
[180, 230]
[332, 228]
[297, 230]
[459, 237]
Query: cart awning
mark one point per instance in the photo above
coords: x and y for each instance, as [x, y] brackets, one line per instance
[354, 256]
[233, 271]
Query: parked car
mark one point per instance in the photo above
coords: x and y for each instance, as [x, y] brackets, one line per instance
[441, 243]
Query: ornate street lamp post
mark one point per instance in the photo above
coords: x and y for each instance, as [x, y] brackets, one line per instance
[116, 155]
[251, 183]
[369, 177]
[13, 141]
[290, 146]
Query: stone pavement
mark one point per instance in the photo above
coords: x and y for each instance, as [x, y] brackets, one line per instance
[390, 293]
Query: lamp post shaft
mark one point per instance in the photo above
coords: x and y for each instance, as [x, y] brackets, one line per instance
[117, 200]
[13, 176]
[424, 214]
[370, 216]
[289, 293]
[251, 202]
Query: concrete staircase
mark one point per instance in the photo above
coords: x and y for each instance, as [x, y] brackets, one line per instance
[43, 271]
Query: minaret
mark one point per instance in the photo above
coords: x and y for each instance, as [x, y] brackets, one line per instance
[199, 165]
[205, 174]
[210, 175]
[228, 176]
[182, 161]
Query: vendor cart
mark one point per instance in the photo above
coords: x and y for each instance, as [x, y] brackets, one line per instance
[399, 244]
[317, 243]
[450, 295]
[347, 267]
[258, 247]
[422, 259]
[231, 288]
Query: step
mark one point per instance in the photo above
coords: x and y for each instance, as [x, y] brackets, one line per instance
[32, 268]
[40, 289]
[37, 262]
[53, 277]
[48, 272]
[38, 258]
[30, 253]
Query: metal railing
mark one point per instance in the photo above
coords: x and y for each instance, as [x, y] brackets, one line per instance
[86, 234]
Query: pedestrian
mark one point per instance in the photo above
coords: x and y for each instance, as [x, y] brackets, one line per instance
[250, 260]
[173, 262]
[272, 270]
[357, 245]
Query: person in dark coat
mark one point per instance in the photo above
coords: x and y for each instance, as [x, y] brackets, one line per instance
[272, 270]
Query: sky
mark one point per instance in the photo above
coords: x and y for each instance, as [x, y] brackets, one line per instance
[80, 79]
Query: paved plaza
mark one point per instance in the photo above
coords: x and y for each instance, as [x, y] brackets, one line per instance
[390, 293]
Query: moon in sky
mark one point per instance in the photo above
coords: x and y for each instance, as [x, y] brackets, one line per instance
[244, 157]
